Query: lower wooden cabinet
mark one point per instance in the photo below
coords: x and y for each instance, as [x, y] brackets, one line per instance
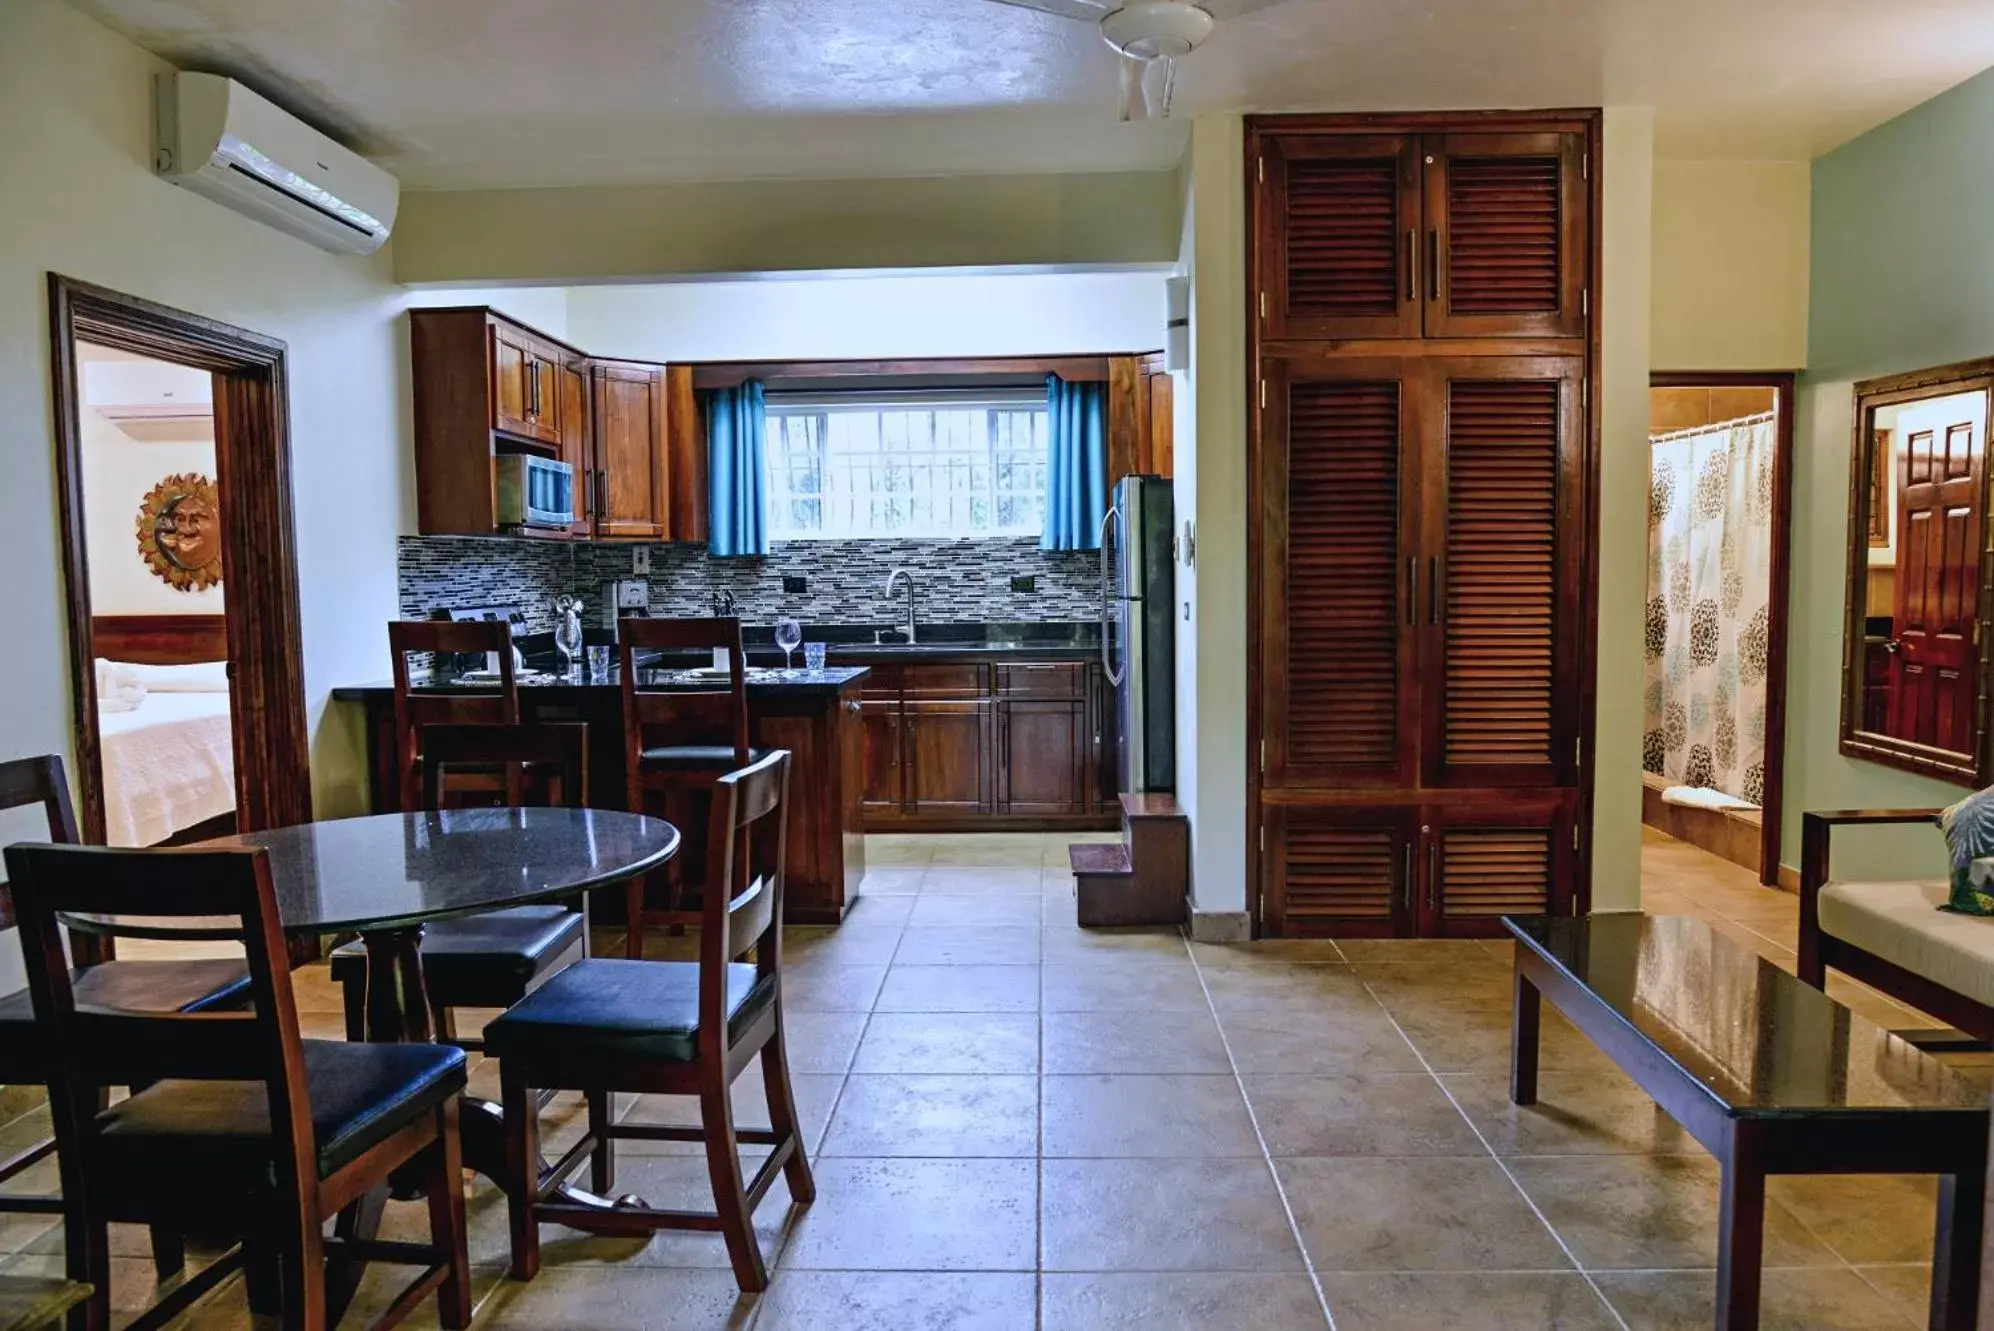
[947, 756]
[1042, 750]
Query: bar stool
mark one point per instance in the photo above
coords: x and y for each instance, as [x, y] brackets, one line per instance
[416, 708]
[677, 744]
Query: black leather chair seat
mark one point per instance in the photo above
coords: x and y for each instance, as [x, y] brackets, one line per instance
[482, 960]
[219, 1131]
[694, 757]
[622, 1009]
[146, 986]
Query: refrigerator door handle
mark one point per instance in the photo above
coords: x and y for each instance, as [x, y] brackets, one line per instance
[1108, 600]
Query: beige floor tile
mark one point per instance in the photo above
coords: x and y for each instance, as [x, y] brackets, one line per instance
[1908, 1287]
[1130, 1042]
[1189, 1301]
[1266, 1038]
[1486, 1301]
[1865, 1218]
[1266, 952]
[673, 1182]
[1178, 1117]
[919, 1215]
[1436, 1213]
[931, 909]
[1064, 942]
[988, 850]
[1117, 981]
[1577, 1113]
[958, 880]
[1825, 1300]
[1318, 988]
[969, 945]
[822, 1041]
[852, 944]
[935, 1116]
[1474, 1037]
[960, 989]
[830, 987]
[892, 879]
[1164, 1215]
[1400, 950]
[623, 1300]
[879, 911]
[913, 1043]
[1358, 1114]
[1643, 1212]
[815, 1094]
[897, 1301]
[1453, 980]
[898, 850]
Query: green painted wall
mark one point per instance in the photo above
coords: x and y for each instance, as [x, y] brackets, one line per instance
[1901, 277]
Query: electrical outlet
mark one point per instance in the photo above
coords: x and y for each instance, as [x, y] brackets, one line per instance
[794, 583]
[1026, 582]
[640, 560]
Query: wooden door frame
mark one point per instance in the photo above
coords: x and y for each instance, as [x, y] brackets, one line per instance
[1784, 382]
[259, 555]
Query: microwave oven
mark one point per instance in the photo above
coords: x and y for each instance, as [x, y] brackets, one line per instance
[534, 491]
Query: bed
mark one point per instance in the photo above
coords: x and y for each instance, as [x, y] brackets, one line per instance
[165, 741]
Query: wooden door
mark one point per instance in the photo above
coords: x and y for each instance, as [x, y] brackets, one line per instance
[881, 792]
[1338, 236]
[511, 403]
[630, 452]
[1941, 484]
[1507, 855]
[1503, 559]
[1340, 572]
[1042, 757]
[1339, 872]
[576, 448]
[947, 754]
[1508, 249]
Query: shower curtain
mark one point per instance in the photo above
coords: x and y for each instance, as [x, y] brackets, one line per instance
[1709, 580]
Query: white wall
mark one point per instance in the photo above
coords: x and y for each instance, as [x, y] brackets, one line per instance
[118, 471]
[1730, 265]
[859, 317]
[82, 201]
[542, 308]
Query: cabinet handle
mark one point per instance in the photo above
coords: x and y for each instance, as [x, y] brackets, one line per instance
[602, 496]
[1433, 264]
[1433, 589]
[1432, 874]
[1411, 265]
[1405, 878]
[532, 388]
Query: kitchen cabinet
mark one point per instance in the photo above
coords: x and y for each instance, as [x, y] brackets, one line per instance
[631, 476]
[1141, 418]
[578, 445]
[947, 756]
[1042, 756]
[525, 375]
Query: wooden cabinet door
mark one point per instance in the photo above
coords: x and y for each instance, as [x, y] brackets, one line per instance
[1339, 492]
[543, 384]
[1339, 872]
[1102, 743]
[1508, 855]
[947, 754]
[1338, 237]
[1502, 610]
[1042, 748]
[511, 397]
[1507, 242]
[630, 452]
[576, 444]
[880, 783]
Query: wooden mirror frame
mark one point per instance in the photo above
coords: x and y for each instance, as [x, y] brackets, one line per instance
[1971, 769]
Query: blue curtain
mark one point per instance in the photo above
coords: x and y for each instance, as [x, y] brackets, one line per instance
[736, 422]
[1076, 484]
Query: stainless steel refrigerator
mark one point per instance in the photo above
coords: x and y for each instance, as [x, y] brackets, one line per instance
[1138, 631]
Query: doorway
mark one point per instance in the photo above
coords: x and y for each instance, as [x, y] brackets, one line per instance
[1714, 706]
[173, 462]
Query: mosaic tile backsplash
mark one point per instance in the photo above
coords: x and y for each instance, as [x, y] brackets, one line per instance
[957, 582]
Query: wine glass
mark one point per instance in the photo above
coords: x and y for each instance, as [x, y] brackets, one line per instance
[568, 630]
[788, 634]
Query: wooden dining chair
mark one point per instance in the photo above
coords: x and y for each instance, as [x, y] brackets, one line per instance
[417, 707]
[168, 986]
[495, 959]
[676, 744]
[244, 1128]
[670, 1028]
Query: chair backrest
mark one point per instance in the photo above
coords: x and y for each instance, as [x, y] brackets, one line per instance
[93, 1048]
[747, 839]
[683, 715]
[558, 753]
[26, 781]
[416, 707]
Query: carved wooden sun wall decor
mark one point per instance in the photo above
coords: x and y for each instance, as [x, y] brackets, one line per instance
[179, 532]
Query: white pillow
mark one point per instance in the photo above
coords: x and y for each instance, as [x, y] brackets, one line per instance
[119, 688]
[201, 677]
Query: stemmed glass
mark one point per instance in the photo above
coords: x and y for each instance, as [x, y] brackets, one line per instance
[568, 630]
[788, 634]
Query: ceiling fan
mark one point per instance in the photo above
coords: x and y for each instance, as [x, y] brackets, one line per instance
[1146, 33]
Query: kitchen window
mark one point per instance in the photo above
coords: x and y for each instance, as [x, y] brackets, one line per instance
[906, 464]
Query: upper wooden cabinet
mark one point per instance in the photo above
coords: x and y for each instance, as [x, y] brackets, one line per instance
[1422, 235]
[526, 383]
[1141, 420]
[632, 475]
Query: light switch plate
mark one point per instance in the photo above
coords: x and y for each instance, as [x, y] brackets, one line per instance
[640, 560]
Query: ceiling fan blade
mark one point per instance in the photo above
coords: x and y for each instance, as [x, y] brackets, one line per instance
[1134, 102]
[1231, 9]
[1087, 11]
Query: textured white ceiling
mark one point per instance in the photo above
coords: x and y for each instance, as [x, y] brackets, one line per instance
[480, 93]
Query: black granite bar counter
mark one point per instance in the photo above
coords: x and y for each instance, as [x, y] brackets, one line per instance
[537, 685]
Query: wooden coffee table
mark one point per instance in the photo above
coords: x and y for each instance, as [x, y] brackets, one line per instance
[1771, 1075]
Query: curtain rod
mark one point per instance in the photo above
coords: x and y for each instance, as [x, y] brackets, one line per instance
[1712, 428]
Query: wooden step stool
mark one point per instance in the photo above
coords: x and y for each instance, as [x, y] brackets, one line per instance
[1146, 879]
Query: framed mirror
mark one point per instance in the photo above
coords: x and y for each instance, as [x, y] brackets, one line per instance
[1915, 644]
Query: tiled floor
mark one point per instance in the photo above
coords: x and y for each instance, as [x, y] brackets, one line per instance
[1019, 1125]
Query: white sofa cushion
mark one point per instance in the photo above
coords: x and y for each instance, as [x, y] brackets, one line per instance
[1900, 922]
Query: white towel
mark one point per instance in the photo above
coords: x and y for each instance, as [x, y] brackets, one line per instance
[1703, 797]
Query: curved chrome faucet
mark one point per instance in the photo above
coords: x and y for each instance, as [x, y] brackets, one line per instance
[893, 577]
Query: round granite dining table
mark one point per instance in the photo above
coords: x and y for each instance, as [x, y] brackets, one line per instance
[385, 877]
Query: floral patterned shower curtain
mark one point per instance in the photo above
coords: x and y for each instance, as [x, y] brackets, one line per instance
[1709, 582]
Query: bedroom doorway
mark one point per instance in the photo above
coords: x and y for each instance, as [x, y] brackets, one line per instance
[175, 495]
[1720, 466]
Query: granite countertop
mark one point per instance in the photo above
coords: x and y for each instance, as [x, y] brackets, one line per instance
[830, 680]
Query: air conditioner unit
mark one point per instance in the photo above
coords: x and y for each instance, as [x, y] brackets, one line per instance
[219, 139]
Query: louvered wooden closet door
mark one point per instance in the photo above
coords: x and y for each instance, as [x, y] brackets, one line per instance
[1338, 237]
[1485, 861]
[1501, 615]
[1507, 243]
[1341, 873]
[1339, 528]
